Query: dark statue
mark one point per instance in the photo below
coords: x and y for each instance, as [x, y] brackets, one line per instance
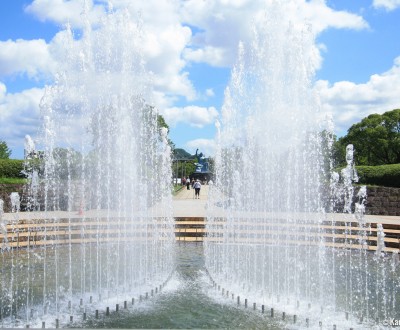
[202, 164]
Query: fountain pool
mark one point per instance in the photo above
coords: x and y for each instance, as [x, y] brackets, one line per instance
[97, 123]
[273, 257]
[273, 235]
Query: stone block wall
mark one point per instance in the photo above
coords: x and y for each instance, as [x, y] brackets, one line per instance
[26, 200]
[383, 201]
[5, 192]
[380, 200]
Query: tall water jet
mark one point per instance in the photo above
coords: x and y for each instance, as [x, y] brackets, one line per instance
[106, 223]
[271, 236]
[32, 168]
[270, 165]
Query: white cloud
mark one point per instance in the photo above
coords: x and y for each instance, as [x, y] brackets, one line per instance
[162, 50]
[206, 146]
[167, 46]
[210, 92]
[163, 37]
[193, 115]
[349, 102]
[19, 115]
[63, 12]
[322, 17]
[3, 91]
[29, 57]
[216, 56]
[387, 4]
[224, 23]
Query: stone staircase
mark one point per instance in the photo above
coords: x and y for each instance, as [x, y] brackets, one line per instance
[190, 229]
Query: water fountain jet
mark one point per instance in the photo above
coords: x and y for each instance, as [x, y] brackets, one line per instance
[103, 228]
[269, 222]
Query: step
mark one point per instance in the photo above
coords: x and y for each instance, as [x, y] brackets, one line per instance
[44, 232]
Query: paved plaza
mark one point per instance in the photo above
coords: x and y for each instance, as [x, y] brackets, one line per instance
[185, 205]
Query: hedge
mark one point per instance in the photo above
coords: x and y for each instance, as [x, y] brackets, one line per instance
[382, 175]
[11, 168]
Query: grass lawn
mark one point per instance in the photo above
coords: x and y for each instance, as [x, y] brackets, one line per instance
[176, 189]
[12, 180]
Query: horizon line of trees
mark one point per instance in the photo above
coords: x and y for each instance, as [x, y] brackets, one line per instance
[376, 140]
[68, 161]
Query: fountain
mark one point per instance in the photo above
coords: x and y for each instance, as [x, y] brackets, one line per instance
[100, 230]
[272, 236]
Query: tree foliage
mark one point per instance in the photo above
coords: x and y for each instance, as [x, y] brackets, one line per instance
[5, 152]
[162, 123]
[11, 168]
[383, 175]
[376, 140]
[68, 163]
[183, 168]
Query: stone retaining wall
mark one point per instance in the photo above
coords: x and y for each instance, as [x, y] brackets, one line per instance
[5, 192]
[380, 200]
[383, 201]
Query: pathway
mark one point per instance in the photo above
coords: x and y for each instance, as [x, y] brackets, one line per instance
[185, 205]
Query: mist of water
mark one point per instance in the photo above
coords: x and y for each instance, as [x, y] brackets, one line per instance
[105, 170]
[271, 231]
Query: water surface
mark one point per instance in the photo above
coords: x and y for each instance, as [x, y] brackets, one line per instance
[188, 301]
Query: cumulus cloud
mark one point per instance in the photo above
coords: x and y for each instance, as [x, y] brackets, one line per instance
[164, 38]
[163, 46]
[30, 57]
[63, 12]
[387, 4]
[19, 115]
[175, 33]
[222, 24]
[216, 56]
[322, 17]
[195, 116]
[210, 92]
[3, 91]
[206, 146]
[349, 102]
[168, 44]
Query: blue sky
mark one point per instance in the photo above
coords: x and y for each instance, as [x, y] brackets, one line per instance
[191, 46]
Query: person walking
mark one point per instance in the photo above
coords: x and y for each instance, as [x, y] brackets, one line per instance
[188, 184]
[197, 187]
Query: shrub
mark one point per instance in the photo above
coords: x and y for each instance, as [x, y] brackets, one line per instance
[382, 175]
[11, 168]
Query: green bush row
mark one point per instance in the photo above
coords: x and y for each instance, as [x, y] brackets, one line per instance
[11, 168]
[382, 175]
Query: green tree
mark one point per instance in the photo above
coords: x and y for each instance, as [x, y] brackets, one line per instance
[183, 168]
[5, 152]
[161, 123]
[376, 139]
[68, 163]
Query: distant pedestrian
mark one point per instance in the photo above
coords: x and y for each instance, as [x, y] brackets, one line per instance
[188, 184]
[197, 187]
